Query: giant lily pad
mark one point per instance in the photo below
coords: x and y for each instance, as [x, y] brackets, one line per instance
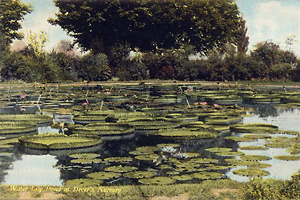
[119, 159]
[58, 141]
[160, 180]
[252, 172]
[185, 134]
[207, 175]
[254, 128]
[103, 175]
[120, 169]
[139, 174]
[287, 158]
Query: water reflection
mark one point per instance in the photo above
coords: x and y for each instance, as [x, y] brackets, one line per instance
[34, 170]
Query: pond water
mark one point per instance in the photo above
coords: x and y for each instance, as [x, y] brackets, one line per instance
[29, 168]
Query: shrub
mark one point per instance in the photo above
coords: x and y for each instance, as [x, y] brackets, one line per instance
[280, 71]
[94, 67]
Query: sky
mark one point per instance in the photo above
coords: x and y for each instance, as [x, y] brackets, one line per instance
[267, 20]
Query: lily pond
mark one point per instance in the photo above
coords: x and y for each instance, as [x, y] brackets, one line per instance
[147, 134]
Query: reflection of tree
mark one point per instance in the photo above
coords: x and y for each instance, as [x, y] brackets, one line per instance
[265, 110]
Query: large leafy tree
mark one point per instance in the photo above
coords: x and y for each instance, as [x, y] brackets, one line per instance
[148, 24]
[11, 14]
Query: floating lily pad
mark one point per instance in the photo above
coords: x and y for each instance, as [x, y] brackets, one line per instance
[216, 167]
[103, 175]
[82, 182]
[120, 169]
[84, 155]
[254, 128]
[255, 157]
[251, 172]
[58, 141]
[86, 161]
[184, 177]
[255, 164]
[148, 148]
[207, 175]
[160, 180]
[277, 145]
[173, 172]
[144, 152]
[139, 174]
[147, 157]
[192, 155]
[5, 154]
[217, 149]
[119, 159]
[287, 158]
[257, 136]
[202, 160]
[185, 134]
[253, 148]
[230, 153]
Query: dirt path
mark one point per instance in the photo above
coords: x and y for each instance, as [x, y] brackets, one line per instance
[184, 196]
[44, 196]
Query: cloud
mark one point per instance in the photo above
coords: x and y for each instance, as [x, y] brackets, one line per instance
[37, 21]
[275, 21]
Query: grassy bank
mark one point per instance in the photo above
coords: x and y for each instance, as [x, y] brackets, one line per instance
[210, 189]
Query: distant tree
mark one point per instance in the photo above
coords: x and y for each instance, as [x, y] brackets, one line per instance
[36, 43]
[149, 24]
[66, 47]
[270, 54]
[241, 38]
[11, 14]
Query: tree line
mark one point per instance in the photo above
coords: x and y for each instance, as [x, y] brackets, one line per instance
[137, 40]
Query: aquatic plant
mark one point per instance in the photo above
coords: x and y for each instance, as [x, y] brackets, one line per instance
[159, 180]
[254, 128]
[86, 161]
[103, 175]
[255, 164]
[255, 157]
[139, 174]
[84, 155]
[207, 175]
[253, 148]
[185, 134]
[218, 149]
[251, 172]
[148, 148]
[184, 177]
[147, 157]
[169, 149]
[104, 129]
[120, 169]
[287, 157]
[230, 153]
[119, 159]
[257, 136]
[58, 141]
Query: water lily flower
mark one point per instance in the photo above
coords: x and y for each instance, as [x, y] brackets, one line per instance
[22, 108]
[22, 96]
[85, 104]
[216, 105]
[203, 103]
